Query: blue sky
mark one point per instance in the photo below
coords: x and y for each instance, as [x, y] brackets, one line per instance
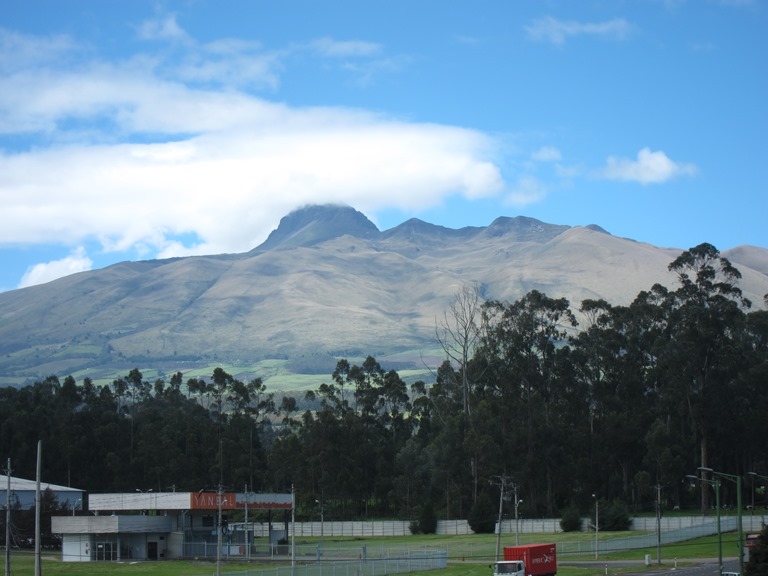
[136, 130]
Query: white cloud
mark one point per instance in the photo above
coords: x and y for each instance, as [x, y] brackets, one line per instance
[546, 154]
[556, 31]
[220, 165]
[19, 51]
[649, 168]
[229, 62]
[527, 190]
[47, 271]
[345, 48]
[162, 28]
[230, 188]
[143, 157]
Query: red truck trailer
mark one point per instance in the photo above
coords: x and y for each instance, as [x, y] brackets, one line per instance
[528, 560]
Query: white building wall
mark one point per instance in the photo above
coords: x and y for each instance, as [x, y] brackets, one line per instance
[76, 548]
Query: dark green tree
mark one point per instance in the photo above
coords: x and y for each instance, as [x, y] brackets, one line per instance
[427, 519]
[483, 515]
[702, 356]
[520, 347]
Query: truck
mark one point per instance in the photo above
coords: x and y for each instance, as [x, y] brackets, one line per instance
[527, 560]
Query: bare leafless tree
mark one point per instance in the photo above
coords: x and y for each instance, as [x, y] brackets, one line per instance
[458, 332]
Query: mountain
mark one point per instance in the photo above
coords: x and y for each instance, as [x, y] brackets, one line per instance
[314, 225]
[325, 284]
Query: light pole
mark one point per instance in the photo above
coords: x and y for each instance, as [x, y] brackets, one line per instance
[498, 524]
[737, 480]
[658, 523]
[716, 485]
[597, 524]
[322, 521]
[220, 529]
[517, 525]
[754, 475]
[74, 506]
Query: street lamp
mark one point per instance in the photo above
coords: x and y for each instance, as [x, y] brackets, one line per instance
[737, 480]
[716, 485]
[517, 525]
[320, 504]
[658, 523]
[597, 523]
[755, 475]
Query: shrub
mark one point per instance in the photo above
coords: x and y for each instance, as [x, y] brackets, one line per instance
[428, 519]
[482, 516]
[413, 527]
[615, 517]
[570, 520]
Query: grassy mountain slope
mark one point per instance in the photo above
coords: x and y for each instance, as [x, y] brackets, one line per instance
[326, 284]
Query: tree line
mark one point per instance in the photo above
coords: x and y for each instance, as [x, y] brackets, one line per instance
[619, 406]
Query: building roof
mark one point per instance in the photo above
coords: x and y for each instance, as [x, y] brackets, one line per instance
[188, 501]
[22, 485]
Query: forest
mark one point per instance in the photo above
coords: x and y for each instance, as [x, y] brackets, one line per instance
[620, 406]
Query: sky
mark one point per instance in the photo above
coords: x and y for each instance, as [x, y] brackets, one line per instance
[141, 130]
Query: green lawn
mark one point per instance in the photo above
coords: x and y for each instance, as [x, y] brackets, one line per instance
[469, 555]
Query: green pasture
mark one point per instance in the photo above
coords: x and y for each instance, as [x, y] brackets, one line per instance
[468, 555]
[279, 375]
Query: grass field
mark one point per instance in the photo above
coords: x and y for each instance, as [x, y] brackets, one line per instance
[468, 556]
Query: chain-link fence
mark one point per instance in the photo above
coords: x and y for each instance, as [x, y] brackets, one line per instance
[355, 559]
[409, 561]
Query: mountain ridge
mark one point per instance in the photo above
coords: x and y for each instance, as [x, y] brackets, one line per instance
[325, 284]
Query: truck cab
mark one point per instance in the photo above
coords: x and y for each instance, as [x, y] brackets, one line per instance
[509, 568]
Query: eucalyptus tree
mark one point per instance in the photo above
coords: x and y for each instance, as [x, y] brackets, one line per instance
[610, 361]
[250, 409]
[520, 348]
[441, 428]
[221, 385]
[746, 422]
[367, 380]
[138, 390]
[341, 377]
[702, 355]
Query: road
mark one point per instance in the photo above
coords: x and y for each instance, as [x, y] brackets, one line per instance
[695, 567]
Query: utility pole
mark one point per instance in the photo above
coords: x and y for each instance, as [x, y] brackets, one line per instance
[220, 528]
[8, 521]
[517, 525]
[247, 528]
[597, 525]
[219, 494]
[293, 530]
[658, 523]
[38, 505]
[502, 483]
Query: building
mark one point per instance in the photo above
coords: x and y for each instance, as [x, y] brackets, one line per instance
[23, 493]
[160, 525]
